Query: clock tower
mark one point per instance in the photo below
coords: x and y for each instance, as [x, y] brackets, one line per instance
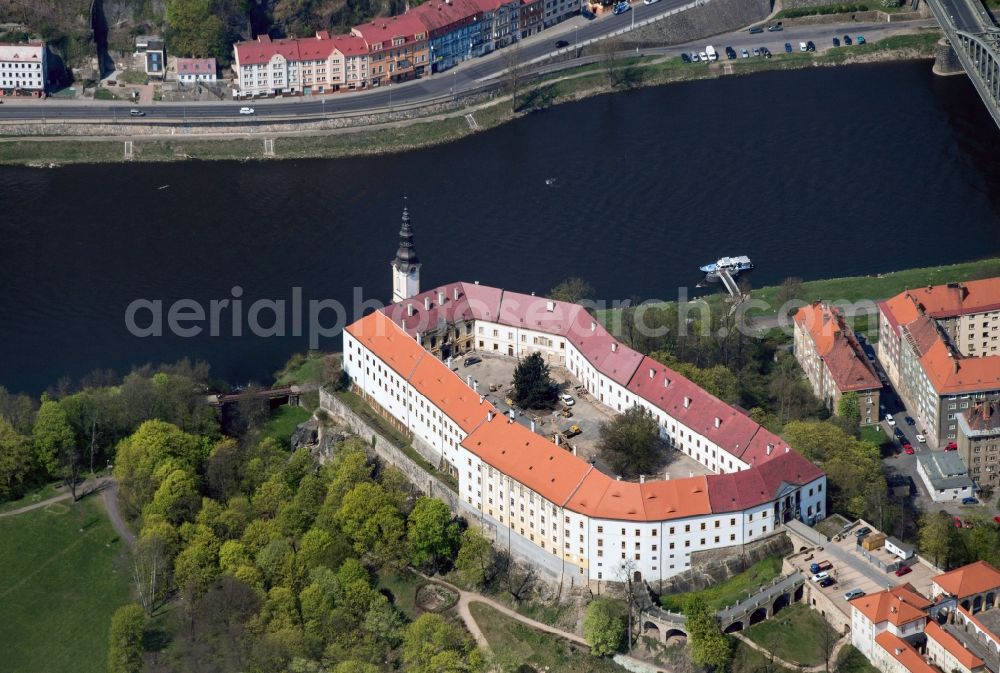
[406, 265]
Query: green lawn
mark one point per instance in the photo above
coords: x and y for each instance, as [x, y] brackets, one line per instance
[732, 590]
[514, 641]
[302, 369]
[851, 660]
[874, 434]
[39, 494]
[796, 635]
[283, 421]
[403, 587]
[61, 582]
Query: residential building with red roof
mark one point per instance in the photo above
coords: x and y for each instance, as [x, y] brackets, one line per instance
[193, 70]
[892, 654]
[318, 64]
[940, 347]
[966, 584]
[398, 48]
[900, 611]
[834, 361]
[23, 67]
[948, 653]
[591, 523]
[979, 442]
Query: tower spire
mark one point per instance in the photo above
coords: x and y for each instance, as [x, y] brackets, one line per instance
[406, 264]
[406, 255]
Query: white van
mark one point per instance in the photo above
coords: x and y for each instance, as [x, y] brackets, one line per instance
[712, 54]
[802, 46]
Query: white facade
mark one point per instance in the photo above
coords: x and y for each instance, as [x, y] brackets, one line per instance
[405, 281]
[23, 67]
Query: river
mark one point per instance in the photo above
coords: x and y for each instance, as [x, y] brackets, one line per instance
[812, 173]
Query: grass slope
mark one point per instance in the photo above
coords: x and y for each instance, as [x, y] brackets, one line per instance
[283, 421]
[60, 585]
[795, 634]
[732, 590]
[542, 651]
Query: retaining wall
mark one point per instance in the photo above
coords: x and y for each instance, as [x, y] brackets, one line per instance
[712, 18]
[712, 566]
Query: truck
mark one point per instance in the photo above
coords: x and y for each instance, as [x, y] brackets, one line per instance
[820, 566]
[711, 53]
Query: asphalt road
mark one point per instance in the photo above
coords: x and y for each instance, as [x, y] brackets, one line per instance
[466, 77]
[963, 15]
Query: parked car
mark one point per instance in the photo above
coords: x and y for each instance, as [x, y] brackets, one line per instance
[246, 111]
[828, 582]
[819, 566]
[907, 449]
[567, 400]
[970, 501]
[561, 43]
[744, 53]
[903, 570]
[649, 2]
[756, 29]
[756, 51]
[909, 420]
[765, 52]
[788, 47]
[853, 593]
[951, 446]
[810, 46]
[862, 532]
[774, 27]
[819, 577]
[836, 42]
[685, 57]
[730, 52]
[471, 360]
[621, 8]
[890, 420]
[136, 113]
[572, 431]
[695, 57]
[802, 46]
[588, 15]
[847, 40]
[860, 39]
[703, 56]
[921, 438]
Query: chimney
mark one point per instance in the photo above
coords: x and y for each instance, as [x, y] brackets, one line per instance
[666, 382]
[468, 380]
[614, 346]
[574, 449]
[770, 448]
[489, 416]
[666, 476]
[409, 308]
[440, 297]
[642, 479]
[475, 385]
[718, 422]
[427, 303]
[955, 366]
[510, 419]
[652, 373]
[899, 651]
[532, 425]
[557, 439]
[618, 477]
[550, 306]
[787, 449]
[481, 398]
[449, 362]
[687, 401]
[420, 339]
[593, 326]
[455, 294]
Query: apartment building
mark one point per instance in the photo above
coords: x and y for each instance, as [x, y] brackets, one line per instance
[23, 67]
[454, 30]
[833, 360]
[398, 48]
[319, 64]
[979, 442]
[938, 345]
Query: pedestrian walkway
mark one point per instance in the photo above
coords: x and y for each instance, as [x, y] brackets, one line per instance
[87, 487]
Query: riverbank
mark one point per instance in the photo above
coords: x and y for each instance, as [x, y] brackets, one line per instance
[409, 134]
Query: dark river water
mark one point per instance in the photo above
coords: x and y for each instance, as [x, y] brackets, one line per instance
[816, 173]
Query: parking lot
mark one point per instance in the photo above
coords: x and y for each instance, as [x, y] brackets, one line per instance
[852, 571]
[493, 378]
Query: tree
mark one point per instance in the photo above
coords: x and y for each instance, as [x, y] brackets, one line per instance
[141, 456]
[476, 559]
[604, 626]
[196, 29]
[608, 49]
[849, 411]
[573, 289]
[533, 387]
[177, 499]
[790, 290]
[433, 645]
[52, 436]
[631, 442]
[709, 645]
[150, 570]
[984, 541]
[125, 640]
[514, 70]
[17, 461]
[370, 518]
[938, 537]
[432, 534]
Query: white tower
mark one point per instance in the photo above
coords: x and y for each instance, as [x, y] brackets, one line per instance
[406, 265]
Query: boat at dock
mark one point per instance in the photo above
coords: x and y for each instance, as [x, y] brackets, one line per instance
[733, 265]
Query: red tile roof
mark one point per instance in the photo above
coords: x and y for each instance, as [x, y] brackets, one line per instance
[900, 605]
[384, 30]
[318, 48]
[952, 645]
[195, 66]
[837, 347]
[903, 652]
[473, 302]
[438, 14]
[969, 580]
[264, 49]
[448, 392]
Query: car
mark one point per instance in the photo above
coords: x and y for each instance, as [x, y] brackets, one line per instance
[957, 520]
[788, 47]
[862, 532]
[847, 40]
[819, 577]
[921, 438]
[703, 56]
[836, 42]
[695, 57]
[853, 593]
[744, 53]
[246, 111]
[561, 43]
[588, 15]
[730, 53]
[909, 420]
[685, 57]
[907, 449]
[970, 501]
[903, 570]
[802, 46]
[899, 434]
[828, 582]
[471, 360]
[810, 46]
[136, 113]
[774, 28]
[756, 29]
[756, 51]
[890, 420]
[567, 400]
[766, 52]
[649, 2]
[951, 446]
[621, 8]
[860, 39]
[573, 431]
